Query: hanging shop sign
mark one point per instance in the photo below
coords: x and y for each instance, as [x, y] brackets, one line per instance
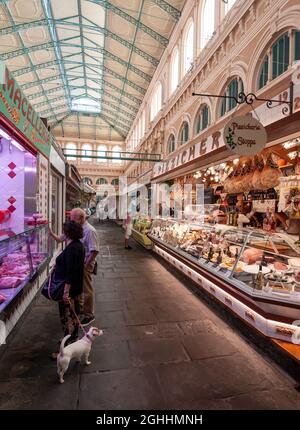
[245, 135]
[200, 149]
[16, 107]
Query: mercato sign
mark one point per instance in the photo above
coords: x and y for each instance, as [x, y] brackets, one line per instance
[199, 149]
[16, 107]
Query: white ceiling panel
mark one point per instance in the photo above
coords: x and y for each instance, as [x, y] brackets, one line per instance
[63, 8]
[93, 12]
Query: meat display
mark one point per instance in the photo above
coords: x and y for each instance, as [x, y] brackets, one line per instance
[9, 282]
[270, 174]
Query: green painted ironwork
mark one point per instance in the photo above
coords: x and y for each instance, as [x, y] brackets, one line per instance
[156, 36]
[92, 27]
[46, 5]
[56, 99]
[126, 81]
[171, 10]
[113, 155]
[23, 46]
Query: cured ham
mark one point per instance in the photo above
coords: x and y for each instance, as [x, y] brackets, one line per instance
[270, 174]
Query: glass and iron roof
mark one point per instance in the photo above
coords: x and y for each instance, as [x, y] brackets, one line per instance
[85, 65]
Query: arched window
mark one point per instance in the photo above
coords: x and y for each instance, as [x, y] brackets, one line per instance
[279, 62]
[156, 101]
[87, 181]
[86, 151]
[115, 182]
[101, 152]
[117, 153]
[71, 150]
[171, 144]
[264, 73]
[207, 22]
[233, 89]
[188, 47]
[184, 133]
[101, 181]
[202, 119]
[174, 71]
[228, 5]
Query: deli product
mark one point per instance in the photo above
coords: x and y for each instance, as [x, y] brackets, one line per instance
[280, 266]
[251, 256]
[9, 282]
[270, 174]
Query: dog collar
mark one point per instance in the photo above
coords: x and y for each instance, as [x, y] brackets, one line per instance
[88, 337]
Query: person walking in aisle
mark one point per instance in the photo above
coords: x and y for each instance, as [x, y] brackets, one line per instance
[91, 245]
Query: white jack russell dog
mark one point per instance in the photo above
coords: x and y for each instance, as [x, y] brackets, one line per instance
[76, 350]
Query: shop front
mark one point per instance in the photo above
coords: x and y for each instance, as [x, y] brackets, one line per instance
[57, 192]
[241, 243]
[24, 177]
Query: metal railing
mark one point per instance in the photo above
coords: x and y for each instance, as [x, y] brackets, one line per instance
[91, 154]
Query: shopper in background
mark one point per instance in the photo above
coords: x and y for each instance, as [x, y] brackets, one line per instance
[69, 266]
[127, 225]
[91, 245]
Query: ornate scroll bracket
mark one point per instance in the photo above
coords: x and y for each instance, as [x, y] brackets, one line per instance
[250, 98]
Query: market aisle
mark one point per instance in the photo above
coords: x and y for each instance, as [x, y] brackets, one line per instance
[161, 348]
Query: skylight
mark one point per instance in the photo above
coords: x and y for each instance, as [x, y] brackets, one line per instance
[85, 104]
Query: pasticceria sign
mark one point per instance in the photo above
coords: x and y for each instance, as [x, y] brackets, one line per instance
[16, 107]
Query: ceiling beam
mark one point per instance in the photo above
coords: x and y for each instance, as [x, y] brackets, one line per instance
[7, 11]
[105, 119]
[124, 80]
[56, 123]
[46, 5]
[75, 87]
[171, 10]
[60, 98]
[156, 36]
[108, 54]
[54, 45]
[93, 27]
[130, 56]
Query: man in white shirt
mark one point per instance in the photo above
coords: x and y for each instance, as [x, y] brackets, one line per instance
[90, 242]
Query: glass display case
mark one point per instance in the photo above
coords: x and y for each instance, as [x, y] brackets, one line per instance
[21, 257]
[261, 264]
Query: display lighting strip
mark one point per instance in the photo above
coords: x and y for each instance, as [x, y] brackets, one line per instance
[269, 328]
[12, 141]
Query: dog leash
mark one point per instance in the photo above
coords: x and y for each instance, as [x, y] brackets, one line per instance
[76, 316]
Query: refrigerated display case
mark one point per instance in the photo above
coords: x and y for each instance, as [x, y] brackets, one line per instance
[256, 274]
[22, 258]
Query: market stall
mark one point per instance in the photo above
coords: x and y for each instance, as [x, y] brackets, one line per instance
[24, 178]
[243, 247]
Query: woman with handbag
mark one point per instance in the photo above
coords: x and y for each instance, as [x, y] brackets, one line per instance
[69, 267]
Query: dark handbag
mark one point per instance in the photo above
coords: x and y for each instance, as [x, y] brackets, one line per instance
[53, 289]
[95, 269]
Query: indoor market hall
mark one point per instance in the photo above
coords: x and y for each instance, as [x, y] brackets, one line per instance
[162, 347]
[149, 212]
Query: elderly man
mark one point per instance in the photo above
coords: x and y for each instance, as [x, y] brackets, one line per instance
[90, 242]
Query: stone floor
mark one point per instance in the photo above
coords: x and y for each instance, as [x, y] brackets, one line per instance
[162, 348]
